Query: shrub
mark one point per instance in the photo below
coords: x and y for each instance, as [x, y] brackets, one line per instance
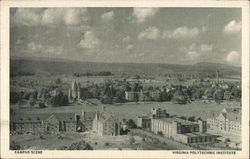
[160, 133]
[63, 148]
[42, 137]
[143, 139]
[82, 145]
[156, 141]
[15, 146]
[106, 144]
[131, 140]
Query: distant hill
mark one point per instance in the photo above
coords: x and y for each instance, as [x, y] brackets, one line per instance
[64, 66]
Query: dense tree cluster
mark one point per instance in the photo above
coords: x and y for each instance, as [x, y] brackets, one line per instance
[14, 74]
[103, 73]
[46, 96]
[81, 145]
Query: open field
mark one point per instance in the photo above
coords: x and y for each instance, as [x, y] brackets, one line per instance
[132, 110]
[97, 142]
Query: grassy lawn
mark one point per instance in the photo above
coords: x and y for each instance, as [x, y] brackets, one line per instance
[132, 110]
[51, 142]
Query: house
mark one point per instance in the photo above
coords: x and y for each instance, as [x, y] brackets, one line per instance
[105, 124]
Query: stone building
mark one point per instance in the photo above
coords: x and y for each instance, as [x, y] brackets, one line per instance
[51, 123]
[27, 123]
[144, 96]
[85, 121]
[76, 92]
[229, 120]
[61, 122]
[131, 96]
[144, 122]
[106, 124]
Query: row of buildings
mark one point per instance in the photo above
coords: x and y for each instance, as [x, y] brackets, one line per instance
[141, 95]
[184, 131]
[100, 122]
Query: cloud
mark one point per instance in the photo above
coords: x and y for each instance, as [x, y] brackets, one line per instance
[195, 51]
[35, 48]
[192, 55]
[67, 16]
[233, 57]
[232, 27]
[27, 17]
[203, 48]
[203, 29]
[129, 47]
[141, 14]
[151, 33]
[54, 50]
[206, 48]
[108, 16]
[182, 33]
[126, 39]
[50, 16]
[90, 41]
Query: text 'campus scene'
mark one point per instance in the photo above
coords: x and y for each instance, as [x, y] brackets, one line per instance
[125, 79]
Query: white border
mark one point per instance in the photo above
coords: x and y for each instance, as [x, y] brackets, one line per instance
[5, 5]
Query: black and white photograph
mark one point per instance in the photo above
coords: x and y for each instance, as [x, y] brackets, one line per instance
[126, 79]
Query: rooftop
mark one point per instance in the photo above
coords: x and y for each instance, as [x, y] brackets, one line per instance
[42, 117]
[197, 134]
[182, 121]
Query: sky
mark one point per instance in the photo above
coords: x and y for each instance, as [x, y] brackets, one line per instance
[135, 35]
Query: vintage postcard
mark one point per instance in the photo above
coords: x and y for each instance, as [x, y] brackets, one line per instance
[124, 79]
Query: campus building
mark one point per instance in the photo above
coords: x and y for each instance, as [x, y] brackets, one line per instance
[144, 122]
[106, 124]
[131, 96]
[183, 131]
[85, 121]
[229, 120]
[77, 92]
[160, 122]
[52, 123]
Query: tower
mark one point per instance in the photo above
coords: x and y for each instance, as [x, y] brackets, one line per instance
[218, 76]
[74, 90]
[69, 95]
[202, 126]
